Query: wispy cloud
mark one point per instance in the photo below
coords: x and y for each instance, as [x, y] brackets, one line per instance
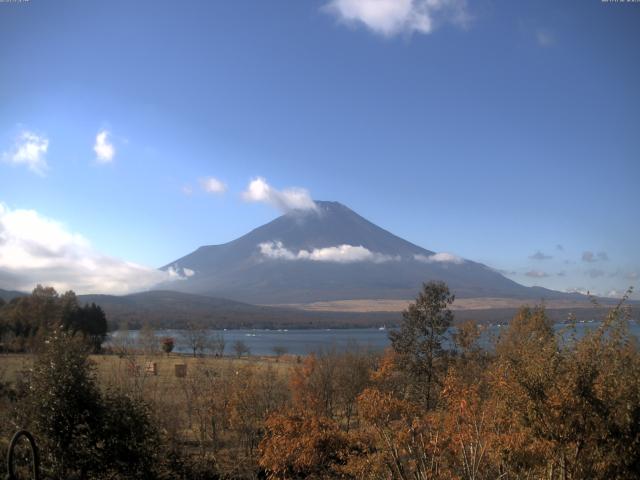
[545, 38]
[631, 276]
[506, 272]
[105, 151]
[540, 256]
[595, 272]
[591, 257]
[29, 149]
[536, 274]
[35, 249]
[337, 254]
[442, 257]
[613, 293]
[393, 17]
[213, 185]
[285, 200]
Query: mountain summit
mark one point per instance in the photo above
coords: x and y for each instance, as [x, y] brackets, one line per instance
[331, 253]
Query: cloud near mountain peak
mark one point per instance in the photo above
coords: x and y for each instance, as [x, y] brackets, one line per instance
[338, 254]
[286, 200]
[442, 257]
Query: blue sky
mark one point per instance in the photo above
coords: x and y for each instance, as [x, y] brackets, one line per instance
[495, 130]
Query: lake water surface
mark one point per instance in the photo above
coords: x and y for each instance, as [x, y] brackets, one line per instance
[303, 342]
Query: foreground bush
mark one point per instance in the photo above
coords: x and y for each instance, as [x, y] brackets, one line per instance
[82, 432]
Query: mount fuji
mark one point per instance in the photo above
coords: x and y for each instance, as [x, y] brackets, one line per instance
[330, 253]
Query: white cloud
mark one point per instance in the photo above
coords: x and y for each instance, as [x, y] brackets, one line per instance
[392, 17]
[580, 290]
[276, 250]
[35, 249]
[213, 185]
[439, 258]
[188, 272]
[339, 254]
[187, 190]
[284, 200]
[176, 272]
[30, 149]
[103, 147]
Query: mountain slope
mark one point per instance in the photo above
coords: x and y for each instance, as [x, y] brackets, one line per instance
[332, 254]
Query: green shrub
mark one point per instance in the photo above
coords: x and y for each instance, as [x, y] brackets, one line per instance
[82, 432]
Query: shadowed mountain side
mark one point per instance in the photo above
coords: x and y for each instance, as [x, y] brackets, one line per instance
[393, 268]
[282, 281]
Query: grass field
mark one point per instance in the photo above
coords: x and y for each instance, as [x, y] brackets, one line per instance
[183, 407]
[461, 304]
[112, 367]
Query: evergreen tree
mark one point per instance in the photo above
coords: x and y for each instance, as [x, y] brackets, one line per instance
[419, 339]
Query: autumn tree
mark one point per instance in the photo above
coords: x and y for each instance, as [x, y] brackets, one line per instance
[196, 336]
[299, 445]
[147, 340]
[566, 394]
[256, 394]
[352, 376]
[167, 344]
[121, 339]
[241, 348]
[279, 351]
[217, 344]
[404, 440]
